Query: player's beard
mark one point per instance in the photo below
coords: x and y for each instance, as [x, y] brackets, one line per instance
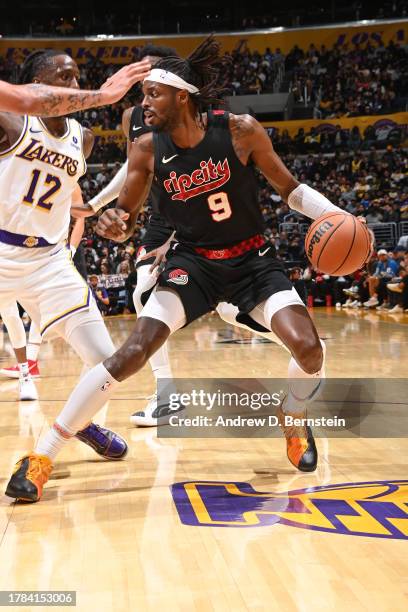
[169, 123]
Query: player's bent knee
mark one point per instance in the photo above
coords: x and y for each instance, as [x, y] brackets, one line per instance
[128, 360]
[309, 354]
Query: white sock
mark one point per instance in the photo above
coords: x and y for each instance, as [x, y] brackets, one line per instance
[90, 394]
[53, 441]
[303, 387]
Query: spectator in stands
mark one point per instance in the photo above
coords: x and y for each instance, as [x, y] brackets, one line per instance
[124, 267]
[357, 293]
[373, 214]
[100, 294]
[403, 243]
[398, 290]
[104, 267]
[385, 270]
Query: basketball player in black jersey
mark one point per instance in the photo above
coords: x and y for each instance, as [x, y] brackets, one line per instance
[205, 173]
[158, 233]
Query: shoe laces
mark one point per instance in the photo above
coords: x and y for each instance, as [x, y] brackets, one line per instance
[97, 432]
[293, 432]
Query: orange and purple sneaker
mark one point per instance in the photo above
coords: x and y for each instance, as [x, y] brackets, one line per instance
[300, 445]
[29, 477]
[105, 442]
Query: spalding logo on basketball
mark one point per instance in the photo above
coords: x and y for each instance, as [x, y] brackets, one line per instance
[317, 236]
[338, 244]
[178, 277]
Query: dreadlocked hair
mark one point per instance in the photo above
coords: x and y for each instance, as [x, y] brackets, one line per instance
[156, 51]
[202, 69]
[35, 62]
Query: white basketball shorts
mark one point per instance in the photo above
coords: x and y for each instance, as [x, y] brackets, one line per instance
[44, 281]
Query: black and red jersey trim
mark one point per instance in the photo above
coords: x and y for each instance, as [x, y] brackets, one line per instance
[255, 242]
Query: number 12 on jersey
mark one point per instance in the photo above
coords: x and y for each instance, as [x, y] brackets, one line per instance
[219, 205]
[42, 203]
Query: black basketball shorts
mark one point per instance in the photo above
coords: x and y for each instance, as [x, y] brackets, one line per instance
[201, 283]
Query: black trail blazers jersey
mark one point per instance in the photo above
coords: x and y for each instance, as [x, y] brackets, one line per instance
[205, 192]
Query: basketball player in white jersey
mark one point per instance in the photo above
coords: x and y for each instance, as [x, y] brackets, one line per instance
[40, 165]
[28, 352]
[49, 101]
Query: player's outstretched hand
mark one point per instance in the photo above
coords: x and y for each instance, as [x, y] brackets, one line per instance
[118, 84]
[112, 224]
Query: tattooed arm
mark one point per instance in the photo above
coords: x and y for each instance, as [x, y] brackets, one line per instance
[119, 223]
[48, 101]
[251, 142]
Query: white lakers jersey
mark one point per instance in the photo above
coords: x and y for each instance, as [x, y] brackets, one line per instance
[37, 177]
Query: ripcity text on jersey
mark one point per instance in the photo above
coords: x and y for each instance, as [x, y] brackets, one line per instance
[37, 177]
[205, 192]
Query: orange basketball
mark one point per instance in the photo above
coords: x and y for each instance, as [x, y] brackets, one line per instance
[338, 244]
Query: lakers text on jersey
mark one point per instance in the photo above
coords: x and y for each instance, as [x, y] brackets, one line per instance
[38, 175]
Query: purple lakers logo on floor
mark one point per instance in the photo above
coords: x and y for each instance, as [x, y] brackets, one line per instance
[378, 509]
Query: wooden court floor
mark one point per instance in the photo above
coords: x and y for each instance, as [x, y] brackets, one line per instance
[117, 535]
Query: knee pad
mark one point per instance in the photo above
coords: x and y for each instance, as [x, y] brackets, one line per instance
[166, 306]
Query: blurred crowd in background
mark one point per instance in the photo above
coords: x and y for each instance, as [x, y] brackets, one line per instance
[90, 17]
[351, 80]
[365, 173]
[347, 80]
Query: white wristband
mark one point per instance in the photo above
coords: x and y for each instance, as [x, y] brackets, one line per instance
[310, 202]
[111, 191]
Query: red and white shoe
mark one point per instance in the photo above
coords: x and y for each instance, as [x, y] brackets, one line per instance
[14, 372]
